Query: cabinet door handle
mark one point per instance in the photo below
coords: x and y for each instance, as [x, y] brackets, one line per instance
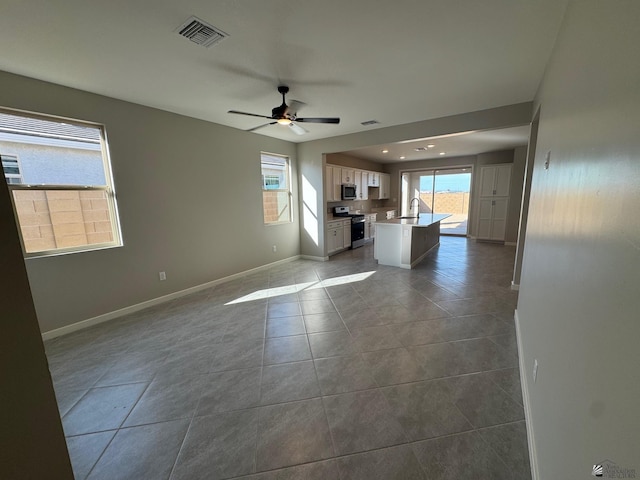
[494, 192]
[493, 202]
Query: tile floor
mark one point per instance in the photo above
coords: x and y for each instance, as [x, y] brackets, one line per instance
[335, 370]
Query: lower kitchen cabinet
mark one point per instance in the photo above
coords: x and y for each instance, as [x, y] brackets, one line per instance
[369, 226]
[492, 218]
[338, 234]
[346, 229]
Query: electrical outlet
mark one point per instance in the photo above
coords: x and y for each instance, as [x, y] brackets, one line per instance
[535, 370]
[162, 276]
[274, 248]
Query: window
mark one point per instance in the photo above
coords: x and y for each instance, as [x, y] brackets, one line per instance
[11, 168]
[276, 190]
[61, 186]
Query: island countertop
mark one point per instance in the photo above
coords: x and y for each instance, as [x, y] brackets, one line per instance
[424, 220]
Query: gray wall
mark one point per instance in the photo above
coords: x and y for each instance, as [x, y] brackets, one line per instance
[579, 293]
[311, 156]
[355, 162]
[32, 444]
[190, 202]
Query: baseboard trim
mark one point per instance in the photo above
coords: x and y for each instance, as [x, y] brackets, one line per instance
[105, 317]
[315, 259]
[515, 286]
[524, 383]
[510, 244]
[420, 258]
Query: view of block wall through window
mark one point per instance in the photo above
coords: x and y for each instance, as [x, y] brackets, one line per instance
[276, 191]
[53, 219]
[446, 190]
[59, 177]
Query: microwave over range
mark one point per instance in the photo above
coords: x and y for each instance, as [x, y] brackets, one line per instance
[349, 191]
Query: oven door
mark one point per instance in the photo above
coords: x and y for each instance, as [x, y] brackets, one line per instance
[357, 234]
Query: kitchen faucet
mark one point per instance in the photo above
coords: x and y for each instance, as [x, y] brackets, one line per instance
[411, 206]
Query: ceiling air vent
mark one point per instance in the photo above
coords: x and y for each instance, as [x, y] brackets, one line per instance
[201, 32]
[420, 149]
[369, 122]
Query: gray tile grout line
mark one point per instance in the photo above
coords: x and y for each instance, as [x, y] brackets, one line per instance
[307, 333]
[117, 430]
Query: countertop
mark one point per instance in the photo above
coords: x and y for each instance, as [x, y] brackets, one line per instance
[424, 220]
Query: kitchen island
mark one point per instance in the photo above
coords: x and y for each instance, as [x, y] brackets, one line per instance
[404, 242]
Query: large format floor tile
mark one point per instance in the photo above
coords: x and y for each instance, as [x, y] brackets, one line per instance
[361, 421]
[144, 453]
[333, 370]
[293, 433]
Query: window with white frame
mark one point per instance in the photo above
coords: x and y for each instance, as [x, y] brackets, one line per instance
[61, 186]
[276, 188]
[11, 168]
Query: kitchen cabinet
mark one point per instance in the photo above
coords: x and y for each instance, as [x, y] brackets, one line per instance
[362, 184]
[336, 175]
[374, 179]
[493, 203]
[492, 218]
[348, 175]
[335, 237]
[346, 233]
[369, 226]
[332, 184]
[385, 185]
[338, 235]
[495, 180]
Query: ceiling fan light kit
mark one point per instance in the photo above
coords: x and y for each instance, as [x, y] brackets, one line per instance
[287, 115]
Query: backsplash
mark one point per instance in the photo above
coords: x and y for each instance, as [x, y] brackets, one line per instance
[362, 205]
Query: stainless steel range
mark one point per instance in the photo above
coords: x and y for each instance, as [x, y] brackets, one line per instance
[357, 225]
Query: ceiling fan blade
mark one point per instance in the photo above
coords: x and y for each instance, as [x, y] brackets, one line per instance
[297, 129]
[260, 126]
[246, 113]
[295, 106]
[319, 120]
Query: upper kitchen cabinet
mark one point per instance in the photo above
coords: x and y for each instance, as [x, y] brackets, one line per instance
[382, 188]
[374, 179]
[385, 185]
[362, 184]
[348, 175]
[495, 180]
[333, 181]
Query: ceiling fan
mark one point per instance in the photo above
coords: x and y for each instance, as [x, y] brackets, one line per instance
[287, 115]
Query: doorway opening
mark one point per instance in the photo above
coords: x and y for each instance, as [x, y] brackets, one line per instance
[441, 190]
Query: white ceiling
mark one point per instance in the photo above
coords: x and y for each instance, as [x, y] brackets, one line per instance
[457, 145]
[397, 62]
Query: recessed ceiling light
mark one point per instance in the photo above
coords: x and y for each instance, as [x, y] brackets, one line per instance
[431, 145]
[401, 158]
[385, 151]
[442, 153]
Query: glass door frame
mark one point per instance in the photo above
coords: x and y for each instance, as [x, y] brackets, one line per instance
[409, 186]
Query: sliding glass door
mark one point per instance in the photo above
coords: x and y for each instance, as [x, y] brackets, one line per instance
[445, 190]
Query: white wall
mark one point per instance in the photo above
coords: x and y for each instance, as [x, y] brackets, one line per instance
[190, 202]
[579, 305]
